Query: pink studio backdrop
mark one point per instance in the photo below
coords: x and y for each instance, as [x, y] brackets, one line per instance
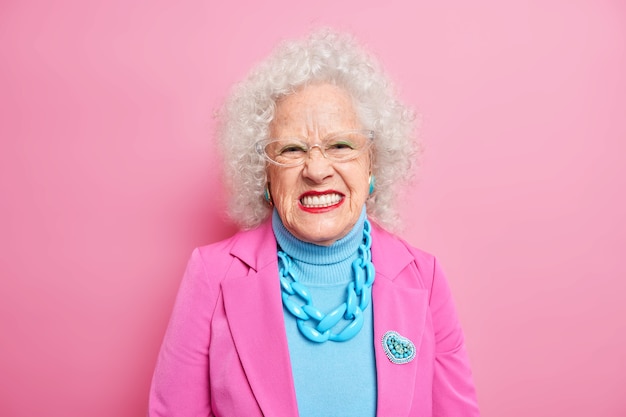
[109, 178]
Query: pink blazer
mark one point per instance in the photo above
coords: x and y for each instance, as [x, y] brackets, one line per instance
[225, 351]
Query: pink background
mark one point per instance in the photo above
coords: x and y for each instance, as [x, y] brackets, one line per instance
[109, 178]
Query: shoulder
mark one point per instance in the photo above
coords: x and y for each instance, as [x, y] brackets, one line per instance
[244, 248]
[396, 255]
[215, 253]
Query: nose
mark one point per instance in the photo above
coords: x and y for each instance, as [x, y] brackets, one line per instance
[317, 166]
[319, 148]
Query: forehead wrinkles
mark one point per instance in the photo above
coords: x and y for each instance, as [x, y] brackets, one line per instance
[314, 110]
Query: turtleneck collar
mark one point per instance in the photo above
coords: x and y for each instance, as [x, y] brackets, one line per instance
[310, 253]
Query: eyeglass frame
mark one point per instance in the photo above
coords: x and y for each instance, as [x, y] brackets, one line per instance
[261, 145]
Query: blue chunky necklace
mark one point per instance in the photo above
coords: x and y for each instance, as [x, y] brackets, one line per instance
[319, 328]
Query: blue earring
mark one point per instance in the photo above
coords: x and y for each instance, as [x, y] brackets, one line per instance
[266, 194]
[372, 183]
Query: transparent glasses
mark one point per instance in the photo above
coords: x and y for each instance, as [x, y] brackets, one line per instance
[336, 147]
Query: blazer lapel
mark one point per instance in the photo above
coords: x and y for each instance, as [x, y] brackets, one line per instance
[254, 311]
[397, 308]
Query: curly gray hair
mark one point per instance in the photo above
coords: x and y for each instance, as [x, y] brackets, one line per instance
[324, 56]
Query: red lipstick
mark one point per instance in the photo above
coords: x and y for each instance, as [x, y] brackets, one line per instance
[320, 201]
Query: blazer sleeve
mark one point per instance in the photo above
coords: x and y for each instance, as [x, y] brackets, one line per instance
[180, 384]
[454, 394]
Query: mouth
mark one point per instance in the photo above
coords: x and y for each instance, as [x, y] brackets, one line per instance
[316, 201]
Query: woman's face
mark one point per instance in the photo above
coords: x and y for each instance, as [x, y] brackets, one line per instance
[314, 112]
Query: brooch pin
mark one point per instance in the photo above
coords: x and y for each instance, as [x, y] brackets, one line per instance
[398, 349]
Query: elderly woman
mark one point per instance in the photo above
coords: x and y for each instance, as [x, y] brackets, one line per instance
[314, 309]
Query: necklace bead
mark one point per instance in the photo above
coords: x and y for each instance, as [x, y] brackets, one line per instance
[312, 323]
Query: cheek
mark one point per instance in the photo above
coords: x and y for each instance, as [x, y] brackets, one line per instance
[281, 185]
[359, 177]
[273, 178]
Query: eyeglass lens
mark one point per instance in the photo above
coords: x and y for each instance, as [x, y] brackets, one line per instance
[337, 147]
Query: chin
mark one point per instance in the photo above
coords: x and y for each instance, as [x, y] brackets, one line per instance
[325, 238]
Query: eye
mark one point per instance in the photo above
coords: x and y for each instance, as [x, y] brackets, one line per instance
[341, 148]
[341, 145]
[291, 149]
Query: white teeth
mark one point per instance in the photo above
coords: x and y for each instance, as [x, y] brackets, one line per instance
[323, 200]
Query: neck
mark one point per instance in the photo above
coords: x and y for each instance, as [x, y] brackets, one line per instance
[310, 253]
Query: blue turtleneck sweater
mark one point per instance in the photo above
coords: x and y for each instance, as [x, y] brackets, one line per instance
[330, 378]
